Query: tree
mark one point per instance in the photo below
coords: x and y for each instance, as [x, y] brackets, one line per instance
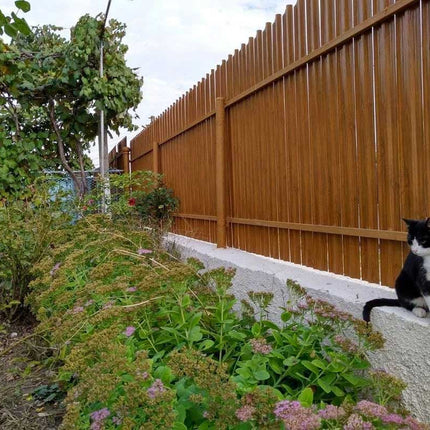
[52, 87]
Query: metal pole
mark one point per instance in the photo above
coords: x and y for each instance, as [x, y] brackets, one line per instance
[103, 144]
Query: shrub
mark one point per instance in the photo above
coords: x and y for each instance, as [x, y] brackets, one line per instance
[140, 199]
[27, 230]
[147, 342]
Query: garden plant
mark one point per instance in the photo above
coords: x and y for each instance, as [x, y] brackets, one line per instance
[142, 340]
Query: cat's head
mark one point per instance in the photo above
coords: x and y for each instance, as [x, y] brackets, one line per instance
[419, 236]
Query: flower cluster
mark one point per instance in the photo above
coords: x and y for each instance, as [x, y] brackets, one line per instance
[245, 413]
[129, 331]
[98, 417]
[156, 389]
[331, 412]
[296, 417]
[356, 422]
[260, 346]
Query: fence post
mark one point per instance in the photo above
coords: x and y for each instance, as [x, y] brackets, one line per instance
[126, 159]
[220, 173]
[155, 157]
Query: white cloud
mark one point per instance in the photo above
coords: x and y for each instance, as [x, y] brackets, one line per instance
[173, 43]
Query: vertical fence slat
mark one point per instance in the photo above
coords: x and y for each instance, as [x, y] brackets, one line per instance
[339, 141]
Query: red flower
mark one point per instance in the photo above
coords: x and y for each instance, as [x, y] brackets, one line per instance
[132, 202]
[84, 208]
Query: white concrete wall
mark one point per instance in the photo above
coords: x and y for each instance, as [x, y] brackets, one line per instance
[407, 348]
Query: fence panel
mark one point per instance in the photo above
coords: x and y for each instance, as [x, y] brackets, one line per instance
[327, 138]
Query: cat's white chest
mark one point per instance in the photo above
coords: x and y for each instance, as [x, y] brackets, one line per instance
[426, 266]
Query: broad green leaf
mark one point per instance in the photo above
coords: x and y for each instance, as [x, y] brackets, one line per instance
[310, 367]
[10, 30]
[319, 363]
[337, 391]
[206, 344]
[23, 5]
[290, 361]
[324, 385]
[195, 334]
[306, 397]
[261, 375]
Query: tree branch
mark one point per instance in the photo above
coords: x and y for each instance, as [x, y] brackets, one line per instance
[60, 146]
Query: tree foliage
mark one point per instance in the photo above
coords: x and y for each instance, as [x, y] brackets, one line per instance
[12, 25]
[51, 92]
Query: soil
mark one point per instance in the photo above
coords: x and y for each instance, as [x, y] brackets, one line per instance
[21, 372]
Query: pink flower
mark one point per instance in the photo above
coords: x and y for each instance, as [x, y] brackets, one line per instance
[131, 289]
[77, 309]
[355, 422]
[392, 419]
[89, 303]
[98, 417]
[54, 269]
[296, 417]
[142, 251]
[156, 388]
[413, 424]
[331, 412]
[245, 413]
[144, 375]
[260, 346]
[371, 409]
[129, 331]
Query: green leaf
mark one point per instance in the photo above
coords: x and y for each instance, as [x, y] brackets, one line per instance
[306, 397]
[285, 316]
[164, 373]
[261, 375]
[310, 367]
[324, 385]
[256, 329]
[319, 363]
[10, 30]
[195, 334]
[23, 5]
[355, 380]
[276, 367]
[206, 344]
[179, 426]
[290, 361]
[337, 391]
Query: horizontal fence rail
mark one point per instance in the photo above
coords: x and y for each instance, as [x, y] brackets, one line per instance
[311, 142]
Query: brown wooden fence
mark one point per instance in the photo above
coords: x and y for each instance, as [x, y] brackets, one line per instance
[325, 142]
[119, 156]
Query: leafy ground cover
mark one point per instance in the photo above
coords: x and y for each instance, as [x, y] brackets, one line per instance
[147, 342]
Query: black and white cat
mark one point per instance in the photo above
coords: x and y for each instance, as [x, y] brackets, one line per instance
[413, 282]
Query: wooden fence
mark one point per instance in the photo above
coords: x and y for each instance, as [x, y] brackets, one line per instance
[311, 142]
[119, 156]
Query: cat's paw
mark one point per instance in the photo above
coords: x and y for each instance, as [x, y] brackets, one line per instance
[419, 312]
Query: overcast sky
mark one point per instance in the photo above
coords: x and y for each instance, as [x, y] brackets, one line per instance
[174, 43]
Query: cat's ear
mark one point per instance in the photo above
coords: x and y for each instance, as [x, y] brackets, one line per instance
[409, 222]
[428, 222]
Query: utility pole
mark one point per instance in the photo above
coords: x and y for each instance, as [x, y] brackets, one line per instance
[103, 144]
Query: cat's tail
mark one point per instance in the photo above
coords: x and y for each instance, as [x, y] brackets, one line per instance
[376, 303]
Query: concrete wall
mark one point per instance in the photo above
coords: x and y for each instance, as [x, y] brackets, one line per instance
[407, 349]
